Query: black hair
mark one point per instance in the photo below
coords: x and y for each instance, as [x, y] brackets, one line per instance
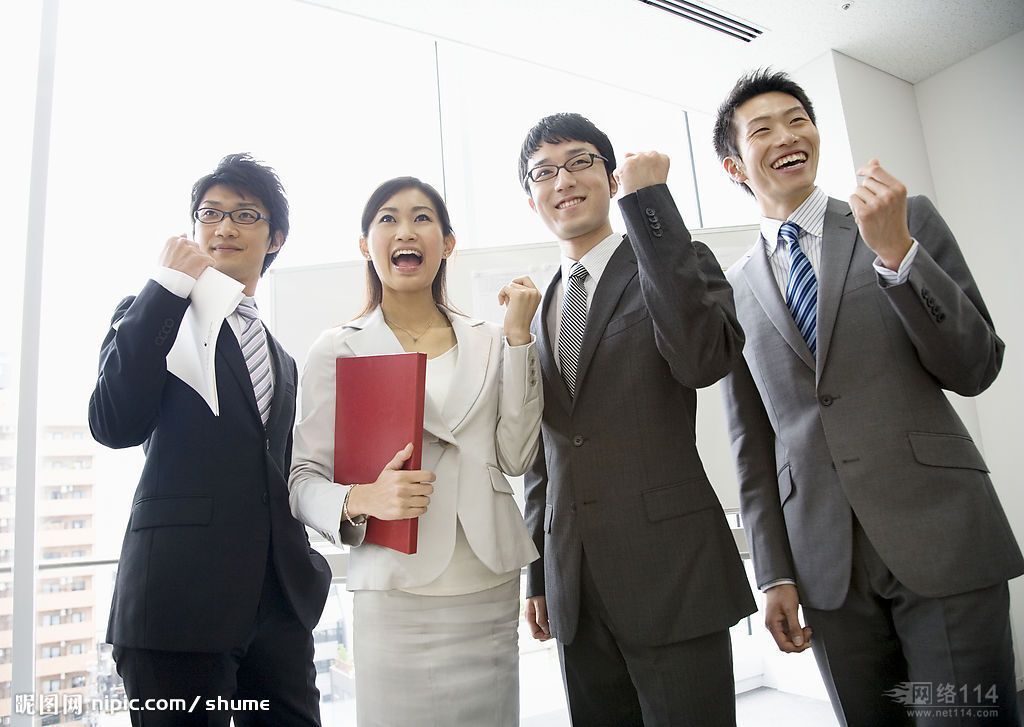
[557, 128]
[387, 190]
[755, 83]
[244, 175]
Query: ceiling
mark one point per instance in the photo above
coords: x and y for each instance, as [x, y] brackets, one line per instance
[632, 45]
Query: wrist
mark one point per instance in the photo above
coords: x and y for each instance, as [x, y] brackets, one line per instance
[350, 511]
[517, 338]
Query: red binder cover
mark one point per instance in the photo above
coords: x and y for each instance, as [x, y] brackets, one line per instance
[379, 410]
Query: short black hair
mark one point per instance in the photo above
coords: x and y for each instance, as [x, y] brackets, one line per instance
[557, 128]
[246, 176]
[749, 85]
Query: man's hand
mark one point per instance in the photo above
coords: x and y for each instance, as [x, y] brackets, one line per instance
[522, 298]
[537, 617]
[397, 494]
[183, 255]
[880, 207]
[641, 170]
[781, 619]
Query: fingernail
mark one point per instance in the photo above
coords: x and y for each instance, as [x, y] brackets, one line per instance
[798, 641]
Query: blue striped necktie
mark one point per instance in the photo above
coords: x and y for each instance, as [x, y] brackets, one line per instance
[802, 288]
[257, 357]
[572, 326]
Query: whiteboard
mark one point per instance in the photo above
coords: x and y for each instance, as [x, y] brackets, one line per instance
[300, 302]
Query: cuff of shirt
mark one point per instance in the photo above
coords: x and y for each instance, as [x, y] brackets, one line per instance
[533, 339]
[781, 582]
[897, 277]
[175, 281]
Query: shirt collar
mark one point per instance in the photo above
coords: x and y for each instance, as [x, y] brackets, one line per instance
[596, 258]
[810, 216]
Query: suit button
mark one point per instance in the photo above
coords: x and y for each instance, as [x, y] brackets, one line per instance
[940, 317]
[266, 498]
[650, 212]
[577, 441]
[655, 225]
[826, 400]
[268, 444]
[656, 233]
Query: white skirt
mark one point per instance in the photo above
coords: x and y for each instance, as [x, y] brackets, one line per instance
[437, 661]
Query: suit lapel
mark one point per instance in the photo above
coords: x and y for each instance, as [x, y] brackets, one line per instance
[470, 370]
[230, 354]
[616, 276]
[758, 273]
[282, 377]
[546, 352]
[839, 241]
[374, 338]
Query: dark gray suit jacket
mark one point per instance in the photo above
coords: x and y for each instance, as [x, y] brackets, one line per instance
[618, 475]
[867, 428]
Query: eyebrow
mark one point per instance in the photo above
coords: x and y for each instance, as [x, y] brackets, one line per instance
[414, 209]
[568, 155]
[244, 206]
[765, 117]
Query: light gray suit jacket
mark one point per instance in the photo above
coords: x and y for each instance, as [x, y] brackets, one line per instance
[618, 475]
[866, 429]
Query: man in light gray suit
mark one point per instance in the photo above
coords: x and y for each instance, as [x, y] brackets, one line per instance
[863, 495]
[639, 577]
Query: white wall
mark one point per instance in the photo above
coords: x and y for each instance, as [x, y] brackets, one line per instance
[971, 117]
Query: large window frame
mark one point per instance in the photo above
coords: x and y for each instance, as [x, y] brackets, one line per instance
[26, 565]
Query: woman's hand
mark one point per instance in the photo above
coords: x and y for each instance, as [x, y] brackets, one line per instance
[521, 298]
[397, 494]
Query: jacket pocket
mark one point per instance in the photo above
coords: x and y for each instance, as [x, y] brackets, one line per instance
[681, 498]
[617, 325]
[498, 481]
[549, 515]
[156, 512]
[946, 450]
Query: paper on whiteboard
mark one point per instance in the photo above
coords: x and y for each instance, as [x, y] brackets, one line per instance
[487, 283]
[191, 358]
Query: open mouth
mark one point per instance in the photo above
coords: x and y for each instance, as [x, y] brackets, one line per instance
[407, 260]
[790, 161]
[569, 203]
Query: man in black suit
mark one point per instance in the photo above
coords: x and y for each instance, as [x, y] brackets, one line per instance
[217, 589]
[639, 577]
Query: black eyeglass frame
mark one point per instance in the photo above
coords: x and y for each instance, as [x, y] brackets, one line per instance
[222, 214]
[593, 157]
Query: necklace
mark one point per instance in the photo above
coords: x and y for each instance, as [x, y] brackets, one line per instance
[406, 331]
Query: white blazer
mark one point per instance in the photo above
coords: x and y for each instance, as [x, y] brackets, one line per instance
[489, 427]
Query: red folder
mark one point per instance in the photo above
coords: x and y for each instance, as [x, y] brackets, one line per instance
[379, 410]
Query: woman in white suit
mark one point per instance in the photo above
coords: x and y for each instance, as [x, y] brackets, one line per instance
[436, 638]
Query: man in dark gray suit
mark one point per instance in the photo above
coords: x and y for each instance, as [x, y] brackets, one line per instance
[639, 578]
[863, 495]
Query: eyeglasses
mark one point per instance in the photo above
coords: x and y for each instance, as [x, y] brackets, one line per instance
[211, 216]
[544, 172]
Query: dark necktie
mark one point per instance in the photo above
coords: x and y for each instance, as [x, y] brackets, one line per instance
[573, 324]
[802, 288]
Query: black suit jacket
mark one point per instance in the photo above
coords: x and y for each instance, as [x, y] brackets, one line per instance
[618, 475]
[211, 506]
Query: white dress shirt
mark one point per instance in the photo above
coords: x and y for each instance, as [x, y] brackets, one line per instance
[595, 261]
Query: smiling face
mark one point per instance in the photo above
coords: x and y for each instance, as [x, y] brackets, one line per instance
[406, 243]
[573, 205]
[778, 146]
[237, 250]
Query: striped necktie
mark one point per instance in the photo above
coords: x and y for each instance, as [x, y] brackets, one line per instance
[257, 357]
[572, 326]
[802, 287]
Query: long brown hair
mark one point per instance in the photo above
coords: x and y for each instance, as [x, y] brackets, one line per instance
[387, 190]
